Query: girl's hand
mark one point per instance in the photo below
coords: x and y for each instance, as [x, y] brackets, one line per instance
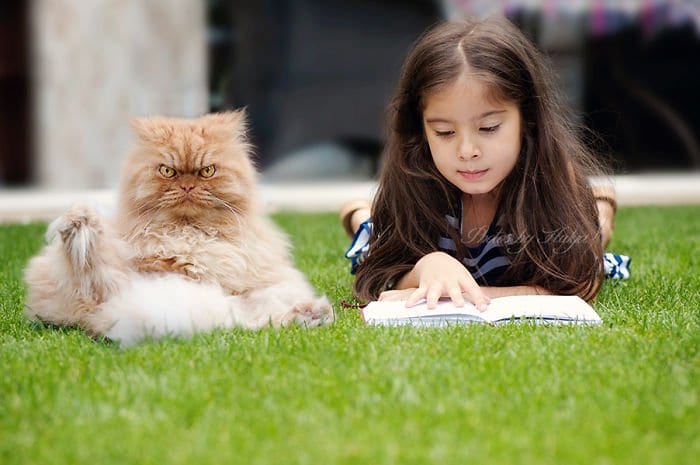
[440, 275]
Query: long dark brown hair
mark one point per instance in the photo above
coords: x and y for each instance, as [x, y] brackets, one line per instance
[546, 200]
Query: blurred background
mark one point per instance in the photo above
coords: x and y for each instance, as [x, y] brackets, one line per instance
[315, 77]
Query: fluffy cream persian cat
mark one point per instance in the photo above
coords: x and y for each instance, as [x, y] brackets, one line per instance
[188, 250]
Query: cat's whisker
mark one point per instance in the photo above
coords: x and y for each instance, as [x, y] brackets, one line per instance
[143, 216]
[141, 212]
[236, 211]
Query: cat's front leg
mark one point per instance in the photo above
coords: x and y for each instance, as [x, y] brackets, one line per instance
[284, 304]
[176, 264]
[82, 266]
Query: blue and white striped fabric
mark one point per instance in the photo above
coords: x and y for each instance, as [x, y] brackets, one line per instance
[360, 244]
[488, 261]
[486, 265]
[616, 266]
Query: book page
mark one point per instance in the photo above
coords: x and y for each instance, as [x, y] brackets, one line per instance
[555, 307]
[397, 309]
[562, 308]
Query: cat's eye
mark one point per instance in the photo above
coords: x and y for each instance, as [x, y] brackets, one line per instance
[207, 171]
[166, 171]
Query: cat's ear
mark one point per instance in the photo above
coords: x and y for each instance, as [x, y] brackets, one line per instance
[227, 123]
[150, 129]
[232, 119]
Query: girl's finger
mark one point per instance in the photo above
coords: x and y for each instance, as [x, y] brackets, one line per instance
[479, 299]
[433, 295]
[415, 296]
[475, 295]
[455, 293]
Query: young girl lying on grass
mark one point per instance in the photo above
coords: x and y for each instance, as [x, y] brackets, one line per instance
[484, 187]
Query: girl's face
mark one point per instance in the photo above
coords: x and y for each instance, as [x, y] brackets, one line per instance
[474, 141]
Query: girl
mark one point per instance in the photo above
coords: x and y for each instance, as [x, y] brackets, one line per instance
[483, 191]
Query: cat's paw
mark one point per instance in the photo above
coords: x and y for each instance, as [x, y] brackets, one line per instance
[316, 312]
[189, 269]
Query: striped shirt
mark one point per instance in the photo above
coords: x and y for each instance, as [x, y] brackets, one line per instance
[486, 262]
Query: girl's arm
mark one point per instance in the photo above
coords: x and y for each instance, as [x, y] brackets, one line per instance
[493, 292]
[505, 291]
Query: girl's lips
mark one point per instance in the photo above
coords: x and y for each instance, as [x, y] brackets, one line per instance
[472, 175]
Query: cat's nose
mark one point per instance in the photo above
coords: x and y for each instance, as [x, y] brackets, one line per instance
[186, 187]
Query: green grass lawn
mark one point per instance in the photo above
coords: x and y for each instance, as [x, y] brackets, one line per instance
[625, 392]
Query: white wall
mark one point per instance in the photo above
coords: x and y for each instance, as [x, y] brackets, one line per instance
[98, 62]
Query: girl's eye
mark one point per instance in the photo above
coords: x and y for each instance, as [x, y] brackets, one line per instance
[166, 171]
[444, 133]
[207, 171]
[489, 128]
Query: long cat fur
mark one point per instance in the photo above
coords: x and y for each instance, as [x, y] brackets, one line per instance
[183, 254]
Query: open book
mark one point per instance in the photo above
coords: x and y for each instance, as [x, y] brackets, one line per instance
[550, 309]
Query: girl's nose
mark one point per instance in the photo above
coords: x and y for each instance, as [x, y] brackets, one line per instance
[468, 150]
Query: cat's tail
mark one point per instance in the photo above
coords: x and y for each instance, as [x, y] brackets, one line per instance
[157, 306]
[82, 265]
[96, 257]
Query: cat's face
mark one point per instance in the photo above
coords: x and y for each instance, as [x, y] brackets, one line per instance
[195, 169]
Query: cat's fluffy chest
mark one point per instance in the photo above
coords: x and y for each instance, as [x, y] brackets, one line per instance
[168, 241]
[239, 262]
[203, 254]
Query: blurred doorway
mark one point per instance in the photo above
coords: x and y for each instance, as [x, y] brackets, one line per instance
[15, 104]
